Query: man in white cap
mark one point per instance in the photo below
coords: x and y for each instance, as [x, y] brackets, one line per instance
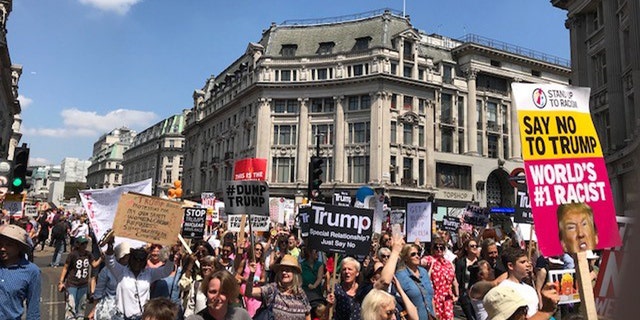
[20, 280]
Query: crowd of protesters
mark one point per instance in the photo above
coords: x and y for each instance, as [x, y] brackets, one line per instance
[276, 275]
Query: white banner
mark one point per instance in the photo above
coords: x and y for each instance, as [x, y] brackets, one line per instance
[418, 224]
[101, 206]
[258, 223]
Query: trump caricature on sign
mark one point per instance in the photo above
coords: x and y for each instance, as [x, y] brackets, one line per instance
[577, 229]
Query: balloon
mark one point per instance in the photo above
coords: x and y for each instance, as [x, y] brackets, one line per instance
[177, 184]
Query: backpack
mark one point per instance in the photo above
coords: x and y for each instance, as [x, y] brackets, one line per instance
[59, 231]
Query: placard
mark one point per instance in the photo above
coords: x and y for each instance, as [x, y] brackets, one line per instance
[258, 223]
[149, 219]
[565, 171]
[567, 284]
[338, 229]
[523, 208]
[398, 217]
[208, 199]
[418, 226]
[193, 223]
[250, 169]
[342, 198]
[248, 197]
[476, 216]
[451, 224]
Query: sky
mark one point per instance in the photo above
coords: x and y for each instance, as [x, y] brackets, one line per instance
[90, 66]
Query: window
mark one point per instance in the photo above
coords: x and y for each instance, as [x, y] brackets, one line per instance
[358, 70]
[408, 52]
[167, 176]
[283, 170]
[286, 75]
[394, 132]
[446, 140]
[326, 130]
[505, 147]
[492, 116]
[362, 43]
[421, 172]
[446, 115]
[421, 136]
[479, 114]
[447, 73]
[362, 102]
[480, 144]
[284, 135]
[453, 176]
[359, 132]
[394, 101]
[289, 50]
[407, 71]
[460, 111]
[407, 134]
[392, 168]
[394, 68]
[420, 74]
[285, 106]
[600, 69]
[407, 170]
[325, 48]
[460, 141]
[421, 105]
[322, 105]
[492, 146]
[505, 119]
[358, 169]
[322, 74]
[408, 103]
[327, 170]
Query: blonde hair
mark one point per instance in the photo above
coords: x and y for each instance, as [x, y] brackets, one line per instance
[375, 300]
[295, 286]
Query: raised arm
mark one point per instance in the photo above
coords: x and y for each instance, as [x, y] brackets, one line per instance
[249, 290]
[389, 269]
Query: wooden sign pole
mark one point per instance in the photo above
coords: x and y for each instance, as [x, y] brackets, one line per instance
[588, 305]
[530, 250]
[243, 224]
[252, 240]
[333, 280]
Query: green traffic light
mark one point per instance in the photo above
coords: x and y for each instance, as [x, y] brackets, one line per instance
[17, 182]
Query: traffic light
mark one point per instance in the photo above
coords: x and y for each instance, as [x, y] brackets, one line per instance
[20, 172]
[315, 175]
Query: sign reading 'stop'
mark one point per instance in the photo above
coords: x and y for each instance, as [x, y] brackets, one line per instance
[250, 197]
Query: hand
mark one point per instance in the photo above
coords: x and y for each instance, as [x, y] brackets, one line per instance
[331, 299]
[311, 286]
[550, 298]
[252, 267]
[397, 242]
[60, 287]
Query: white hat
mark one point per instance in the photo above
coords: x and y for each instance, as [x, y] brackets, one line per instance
[122, 250]
[501, 302]
[15, 233]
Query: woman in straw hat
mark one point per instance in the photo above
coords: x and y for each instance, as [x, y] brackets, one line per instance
[284, 297]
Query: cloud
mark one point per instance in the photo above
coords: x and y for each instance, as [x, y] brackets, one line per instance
[78, 123]
[24, 101]
[118, 6]
[39, 161]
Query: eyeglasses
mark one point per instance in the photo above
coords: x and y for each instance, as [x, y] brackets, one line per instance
[473, 246]
[259, 249]
[385, 256]
[413, 254]
[439, 248]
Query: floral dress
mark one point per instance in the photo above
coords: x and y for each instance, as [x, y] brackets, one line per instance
[442, 274]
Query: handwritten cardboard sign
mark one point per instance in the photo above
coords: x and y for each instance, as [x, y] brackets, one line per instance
[418, 224]
[147, 218]
[193, 225]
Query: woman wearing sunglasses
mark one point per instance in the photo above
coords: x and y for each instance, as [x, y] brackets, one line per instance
[259, 277]
[469, 256]
[443, 277]
[415, 281]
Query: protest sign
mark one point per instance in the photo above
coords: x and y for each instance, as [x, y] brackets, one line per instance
[608, 283]
[250, 169]
[250, 197]
[14, 204]
[476, 216]
[418, 224]
[149, 219]
[523, 208]
[564, 165]
[101, 204]
[342, 198]
[193, 223]
[567, 284]
[451, 224]
[208, 199]
[258, 223]
[338, 229]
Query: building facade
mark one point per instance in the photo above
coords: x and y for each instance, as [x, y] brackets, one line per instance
[157, 153]
[74, 170]
[42, 178]
[605, 55]
[105, 170]
[10, 109]
[411, 114]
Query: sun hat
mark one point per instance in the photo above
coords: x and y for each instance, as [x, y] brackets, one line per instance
[288, 261]
[122, 250]
[15, 233]
[502, 301]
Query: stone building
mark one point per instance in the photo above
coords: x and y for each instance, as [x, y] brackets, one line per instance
[160, 144]
[10, 120]
[411, 114]
[605, 56]
[105, 170]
